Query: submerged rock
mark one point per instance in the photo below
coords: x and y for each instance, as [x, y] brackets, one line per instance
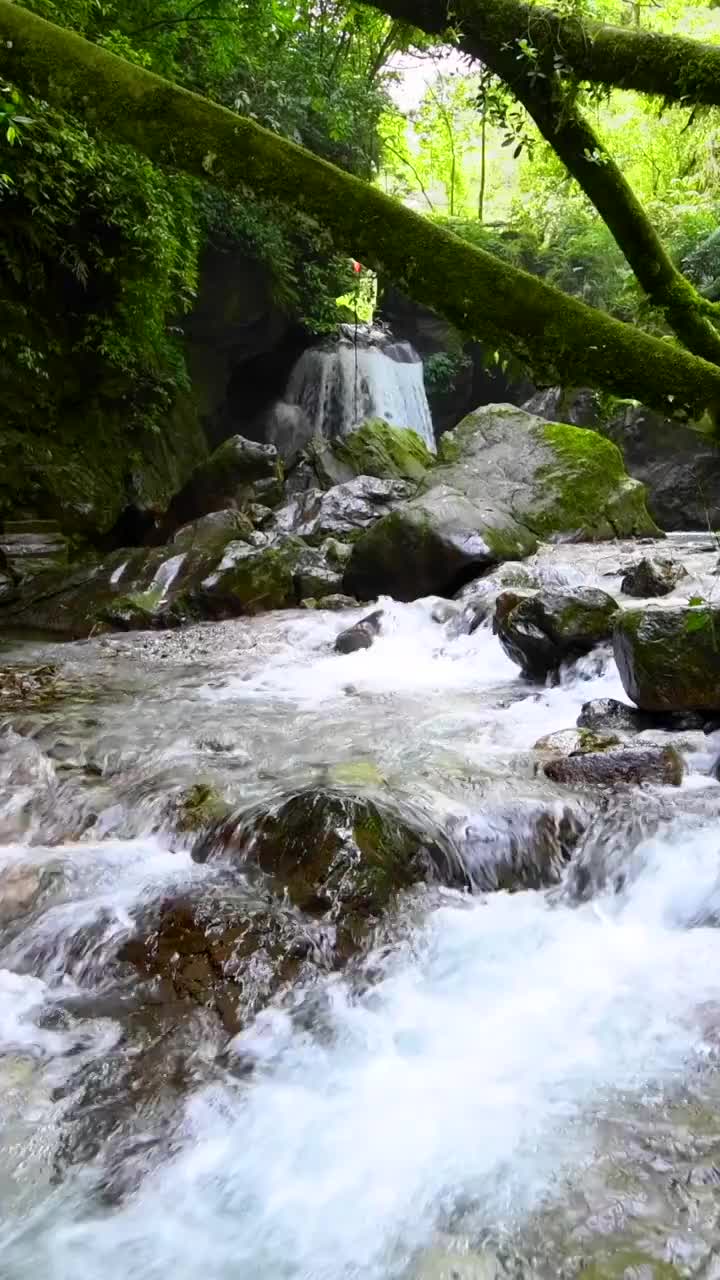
[669, 658]
[652, 577]
[335, 855]
[618, 765]
[361, 634]
[522, 845]
[543, 631]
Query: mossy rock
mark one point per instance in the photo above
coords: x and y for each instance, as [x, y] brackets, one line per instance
[553, 478]
[250, 580]
[630, 1264]
[199, 807]
[336, 855]
[376, 448]
[669, 658]
[543, 631]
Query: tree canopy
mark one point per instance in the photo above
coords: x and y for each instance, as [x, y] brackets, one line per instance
[311, 85]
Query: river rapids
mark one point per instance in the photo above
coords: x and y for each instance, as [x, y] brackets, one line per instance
[515, 1084]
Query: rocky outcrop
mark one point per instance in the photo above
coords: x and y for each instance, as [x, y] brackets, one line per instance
[504, 480]
[678, 465]
[669, 659]
[652, 577]
[342, 512]
[239, 472]
[543, 631]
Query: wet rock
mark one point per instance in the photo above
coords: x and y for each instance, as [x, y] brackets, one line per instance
[543, 631]
[200, 806]
[361, 634]
[239, 472]
[375, 448]
[20, 888]
[318, 572]
[525, 845]
[652, 577]
[669, 658]
[343, 511]
[336, 856]
[336, 602]
[250, 580]
[213, 532]
[572, 742]
[608, 713]
[504, 479]
[429, 546]
[621, 765]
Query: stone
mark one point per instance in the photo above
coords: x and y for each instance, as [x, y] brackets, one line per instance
[575, 742]
[618, 765]
[652, 577]
[239, 472]
[361, 634]
[550, 477]
[505, 478]
[429, 546]
[213, 531]
[523, 844]
[607, 713]
[315, 577]
[198, 807]
[336, 603]
[543, 631]
[669, 658]
[335, 855]
[375, 448]
[250, 580]
[342, 512]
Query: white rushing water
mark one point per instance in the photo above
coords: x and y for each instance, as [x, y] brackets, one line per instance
[361, 376]
[505, 1044]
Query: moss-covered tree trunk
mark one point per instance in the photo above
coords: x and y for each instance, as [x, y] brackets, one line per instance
[490, 33]
[674, 67]
[561, 339]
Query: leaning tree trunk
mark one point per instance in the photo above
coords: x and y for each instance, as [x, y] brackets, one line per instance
[550, 102]
[560, 338]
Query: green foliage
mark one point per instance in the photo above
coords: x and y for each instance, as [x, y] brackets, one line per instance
[442, 370]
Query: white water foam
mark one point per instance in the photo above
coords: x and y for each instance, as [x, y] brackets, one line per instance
[475, 1068]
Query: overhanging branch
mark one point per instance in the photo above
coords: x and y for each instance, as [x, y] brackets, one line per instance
[561, 339]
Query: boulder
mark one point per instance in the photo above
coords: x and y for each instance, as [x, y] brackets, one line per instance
[319, 571]
[604, 714]
[335, 855]
[431, 545]
[375, 448]
[652, 577]
[669, 658]
[541, 632]
[342, 512]
[336, 602]
[618, 765]
[239, 472]
[548, 476]
[361, 635]
[504, 479]
[213, 531]
[250, 580]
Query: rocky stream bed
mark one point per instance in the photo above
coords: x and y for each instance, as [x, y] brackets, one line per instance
[322, 965]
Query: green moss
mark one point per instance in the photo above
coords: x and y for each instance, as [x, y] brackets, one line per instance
[588, 476]
[376, 448]
[200, 806]
[627, 1264]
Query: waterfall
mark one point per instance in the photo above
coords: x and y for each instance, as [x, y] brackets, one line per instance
[364, 374]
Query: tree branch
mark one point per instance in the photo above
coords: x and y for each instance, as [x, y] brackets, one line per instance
[675, 67]
[561, 339]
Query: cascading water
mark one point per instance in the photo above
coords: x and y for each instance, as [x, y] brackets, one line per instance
[510, 1086]
[364, 374]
